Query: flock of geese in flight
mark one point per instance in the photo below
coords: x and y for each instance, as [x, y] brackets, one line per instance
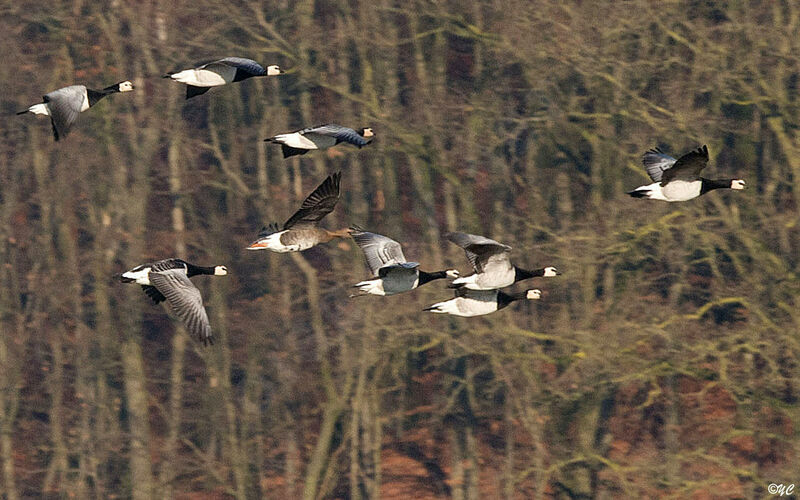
[477, 294]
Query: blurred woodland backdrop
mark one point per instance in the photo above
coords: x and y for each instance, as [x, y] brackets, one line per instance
[662, 363]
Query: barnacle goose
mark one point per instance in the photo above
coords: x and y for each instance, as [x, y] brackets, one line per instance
[220, 72]
[468, 303]
[168, 280]
[304, 140]
[65, 104]
[679, 180]
[392, 273]
[492, 265]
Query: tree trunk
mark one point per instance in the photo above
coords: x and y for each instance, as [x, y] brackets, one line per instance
[139, 428]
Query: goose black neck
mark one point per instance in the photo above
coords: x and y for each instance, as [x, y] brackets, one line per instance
[523, 274]
[244, 75]
[426, 277]
[504, 299]
[96, 95]
[712, 184]
[192, 270]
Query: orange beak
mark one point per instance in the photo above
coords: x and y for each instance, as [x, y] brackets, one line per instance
[258, 245]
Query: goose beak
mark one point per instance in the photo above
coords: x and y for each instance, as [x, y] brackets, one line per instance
[258, 245]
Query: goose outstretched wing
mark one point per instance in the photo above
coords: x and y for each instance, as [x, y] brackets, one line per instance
[240, 63]
[185, 300]
[318, 204]
[656, 162]
[338, 132]
[482, 252]
[688, 166]
[65, 106]
[379, 251]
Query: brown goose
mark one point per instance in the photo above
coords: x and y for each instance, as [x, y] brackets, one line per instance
[301, 232]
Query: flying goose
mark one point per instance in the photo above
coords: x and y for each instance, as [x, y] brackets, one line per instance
[392, 273]
[220, 72]
[304, 140]
[490, 260]
[65, 104]
[679, 180]
[168, 280]
[470, 303]
[300, 232]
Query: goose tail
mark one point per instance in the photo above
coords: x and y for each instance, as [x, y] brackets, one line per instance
[644, 193]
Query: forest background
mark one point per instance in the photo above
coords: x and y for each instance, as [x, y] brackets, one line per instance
[662, 363]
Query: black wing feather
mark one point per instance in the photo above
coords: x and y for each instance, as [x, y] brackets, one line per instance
[192, 91]
[242, 64]
[152, 292]
[271, 228]
[318, 204]
[688, 166]
[290, 151]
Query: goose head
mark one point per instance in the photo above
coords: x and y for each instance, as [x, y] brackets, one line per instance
[737, 184]
[220, 270]
[367, 132]
[550, 271]
[452, 273]
[274, 70]
[125, 86]
[533, 294]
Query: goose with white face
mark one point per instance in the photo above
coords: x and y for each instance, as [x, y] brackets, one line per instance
[679, 180]
[392, 273]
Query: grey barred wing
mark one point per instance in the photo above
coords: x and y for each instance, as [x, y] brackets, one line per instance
[65, 106]
[656, 162]
[185, 300]
[167, 264]
[482, 252]
[380, 251]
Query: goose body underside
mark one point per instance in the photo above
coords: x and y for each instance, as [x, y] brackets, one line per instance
[290, 240]
[390, 285]
[673, 191]
[465, 307]
[485, 281]
[206, 78]
[297, 140]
